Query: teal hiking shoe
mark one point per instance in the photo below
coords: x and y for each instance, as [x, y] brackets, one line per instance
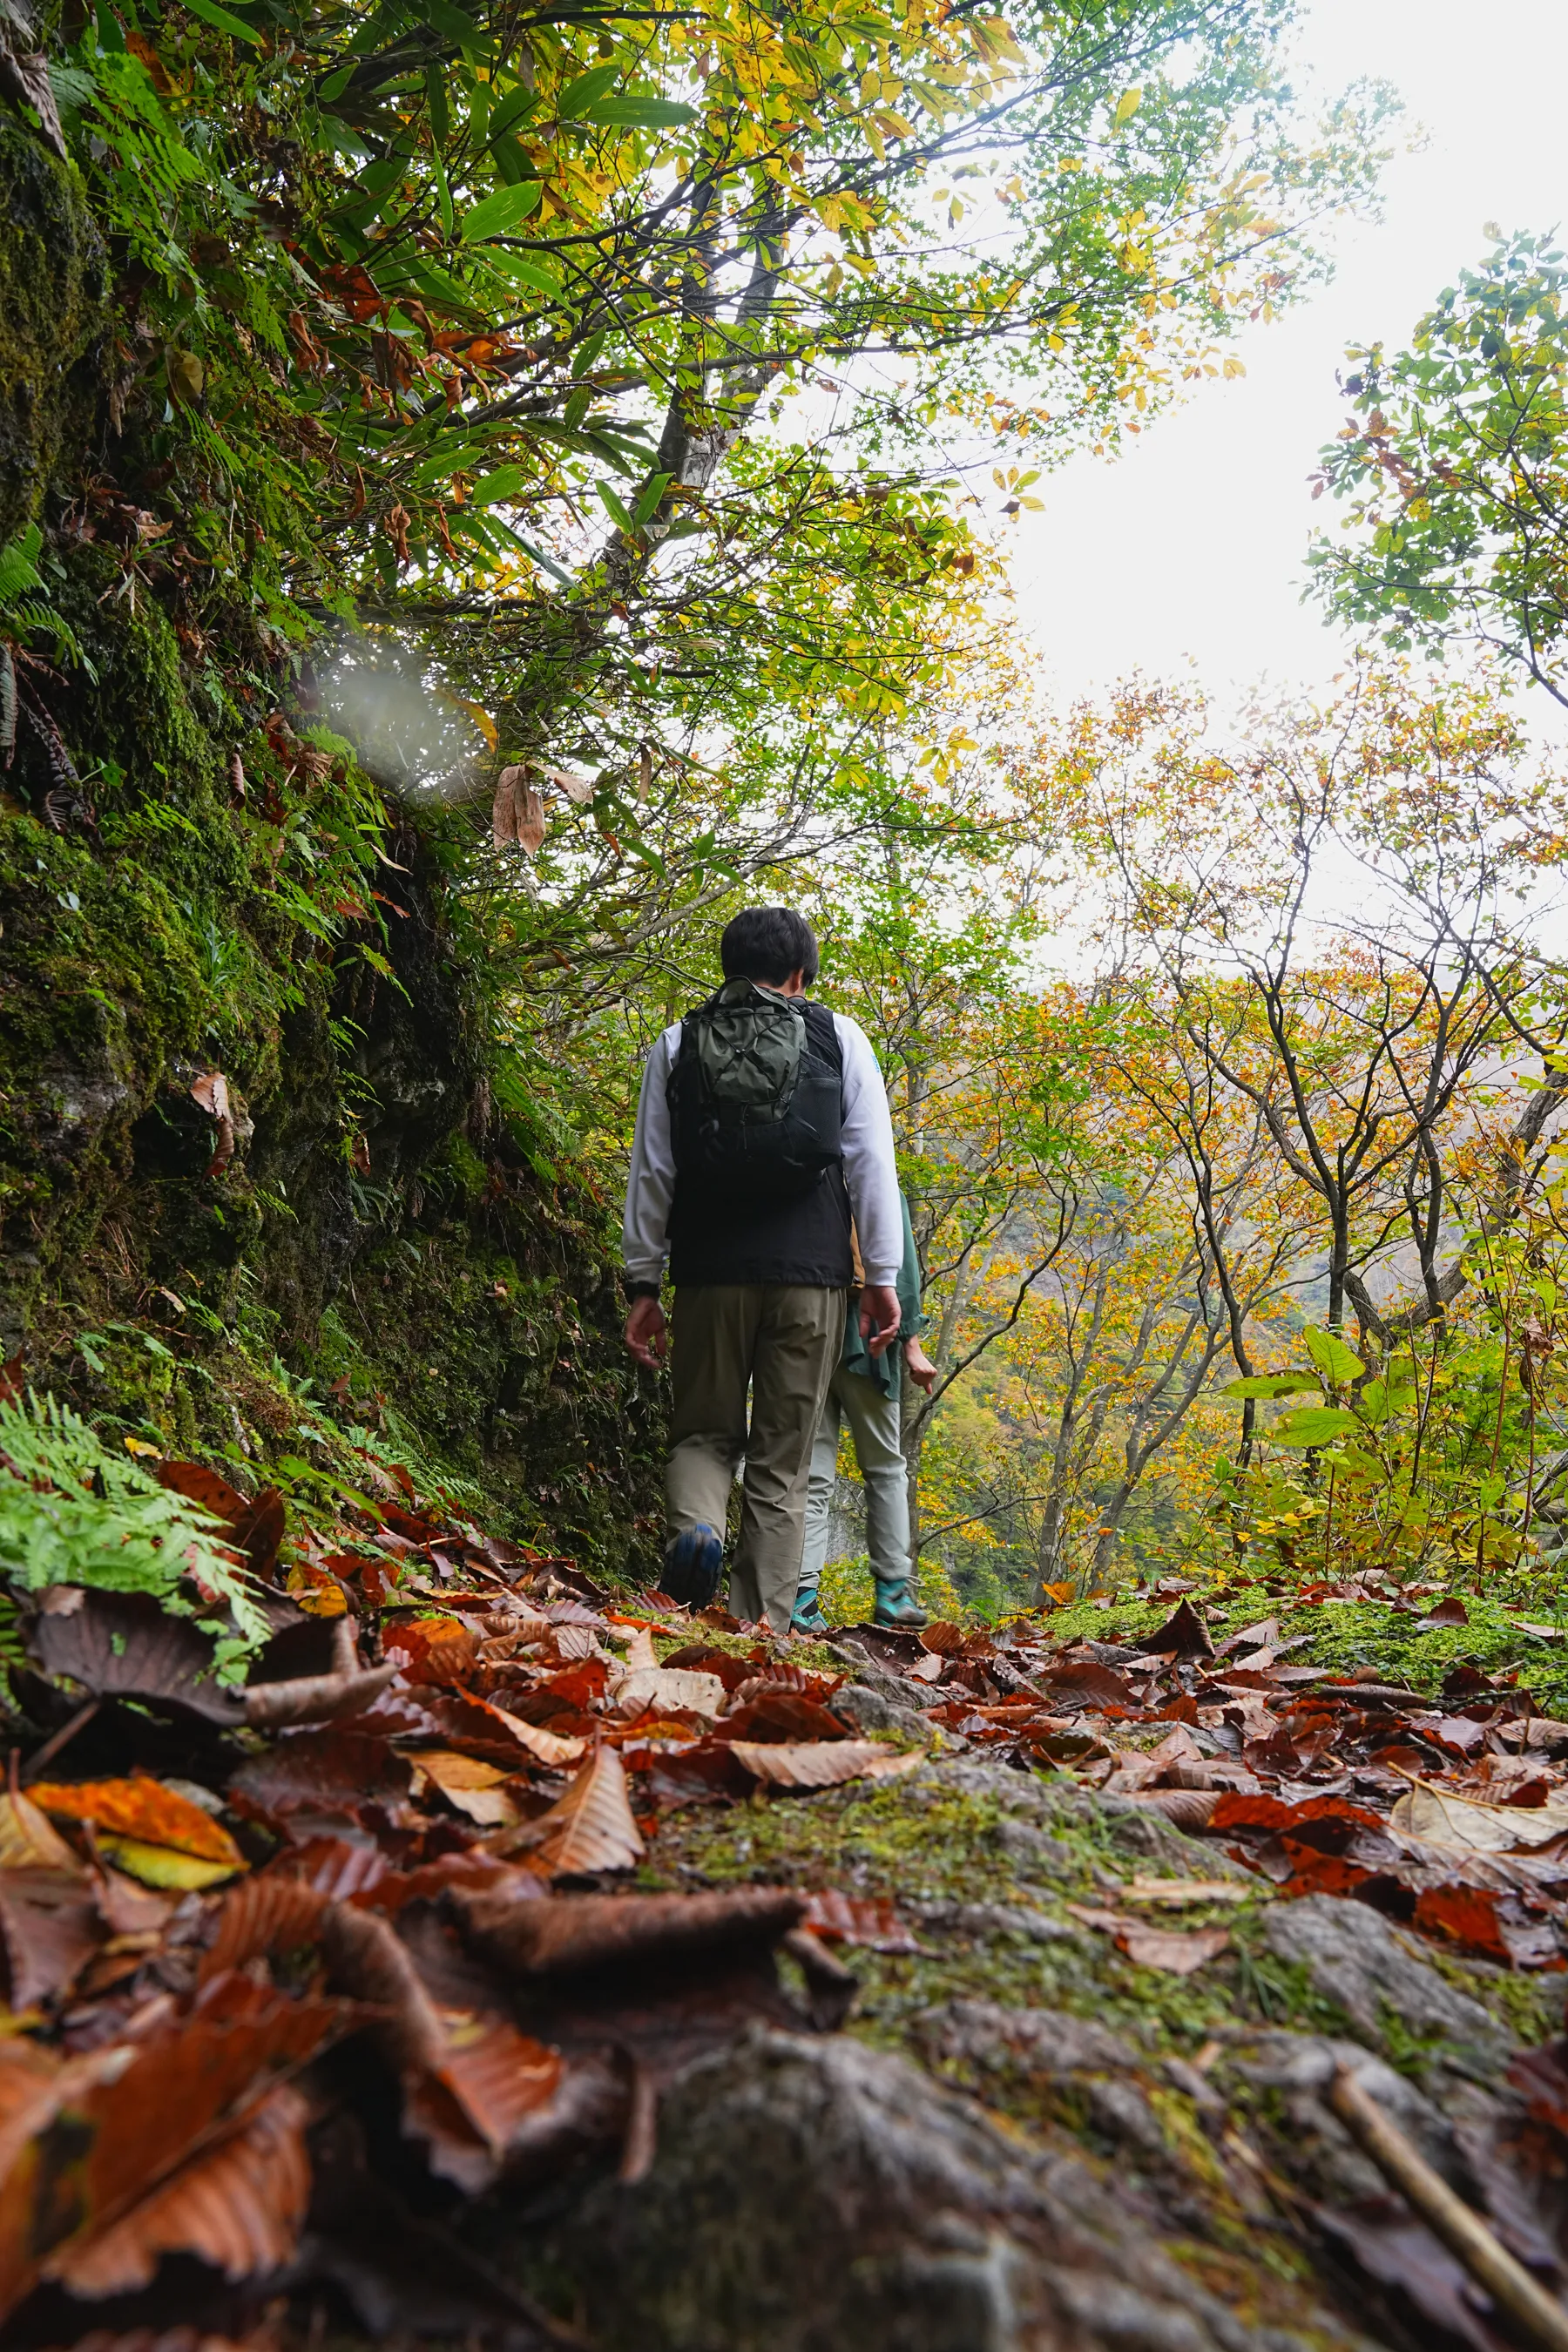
[808, 1617]
[897, 1606]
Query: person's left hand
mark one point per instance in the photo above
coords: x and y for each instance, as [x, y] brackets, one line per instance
[923, 1372]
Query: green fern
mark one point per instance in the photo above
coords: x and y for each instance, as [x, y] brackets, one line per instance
[25, 608]
[72, 1512]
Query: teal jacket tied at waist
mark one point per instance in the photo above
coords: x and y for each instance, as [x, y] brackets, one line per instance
[887, 1369]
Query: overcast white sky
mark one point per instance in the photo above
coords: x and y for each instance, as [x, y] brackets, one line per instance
[1190, 547]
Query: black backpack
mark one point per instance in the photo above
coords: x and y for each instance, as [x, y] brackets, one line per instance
[755, 1094]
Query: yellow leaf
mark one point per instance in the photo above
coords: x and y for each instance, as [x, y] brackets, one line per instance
[1127, 106]
[160, 1865]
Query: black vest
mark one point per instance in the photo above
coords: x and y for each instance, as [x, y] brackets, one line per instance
[717, 1237]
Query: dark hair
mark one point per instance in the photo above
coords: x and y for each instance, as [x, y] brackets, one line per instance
[767, 943]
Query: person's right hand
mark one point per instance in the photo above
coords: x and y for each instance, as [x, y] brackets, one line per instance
[647, 1335]
[881, 1315]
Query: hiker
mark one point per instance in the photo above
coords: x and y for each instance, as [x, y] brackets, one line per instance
[763, 1128]
[866, 1390]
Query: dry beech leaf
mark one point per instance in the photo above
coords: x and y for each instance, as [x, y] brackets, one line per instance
[474, 1787]
[239, 2205]
[1180, 1893]
[868, 1920]
[50, 1928]
[125, 1645]
[264, 1916]
[587, 1829]
[1438, 1818]
[141, 2109]
[640, 1651]
[1178, 1951]
[27, 1839]
[571, 1932]
[549, 1747]
[819, 1763]
[667, 1690]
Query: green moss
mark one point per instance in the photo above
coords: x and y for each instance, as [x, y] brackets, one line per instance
[52, 320]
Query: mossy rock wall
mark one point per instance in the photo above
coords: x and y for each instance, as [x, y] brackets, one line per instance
[52, 322]
[179, 897]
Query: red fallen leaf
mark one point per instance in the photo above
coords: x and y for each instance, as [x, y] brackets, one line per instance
[1081, 1682]
[333, 1867]
[434, 1650]
[943, 1639]
[259, 1530]
[1530, 1794]
[1182, 1633]
[697, 1775]
[1449, 1610]
[467, 1872]
[867, 1920]
[570, 1692]
[821, 1763]
[476, 1728]
[790, 1678]
[238, 2206]
[1179, 1710]
[1239, 1810]
[781, 1714]
[203, 1488]
[732, 1672]
[12, 1378]
[1315, 1873]
[1462, 1915]
[321, 1772]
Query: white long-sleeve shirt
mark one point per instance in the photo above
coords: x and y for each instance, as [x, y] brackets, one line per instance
[870, 1172]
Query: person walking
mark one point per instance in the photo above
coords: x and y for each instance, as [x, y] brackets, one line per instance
[866, 1392]
[762, 1132]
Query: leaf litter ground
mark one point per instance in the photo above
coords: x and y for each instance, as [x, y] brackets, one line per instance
[487, 1852]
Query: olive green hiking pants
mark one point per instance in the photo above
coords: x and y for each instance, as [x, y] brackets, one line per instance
[780, 1341]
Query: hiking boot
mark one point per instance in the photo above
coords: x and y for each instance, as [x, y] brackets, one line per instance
[693, 1564]
[897, 1605]
[808, 1617]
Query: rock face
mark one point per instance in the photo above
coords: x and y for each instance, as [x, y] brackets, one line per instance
[1354, 1958]
[52, 314]
[817, 2196]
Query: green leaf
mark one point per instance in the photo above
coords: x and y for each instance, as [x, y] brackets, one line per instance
[1336, 1363]
[1271, 1384]
[494, 214]
[234, 27]
[614, 506]
[506, 482]
[585, 91]
[648, 505]
[1313, 1425]
[636, 112]
[527, 272]
[456, 27]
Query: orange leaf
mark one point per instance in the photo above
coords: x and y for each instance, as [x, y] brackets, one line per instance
[142, 1809]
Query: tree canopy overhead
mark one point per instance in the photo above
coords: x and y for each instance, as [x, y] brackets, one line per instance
[446, 310]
